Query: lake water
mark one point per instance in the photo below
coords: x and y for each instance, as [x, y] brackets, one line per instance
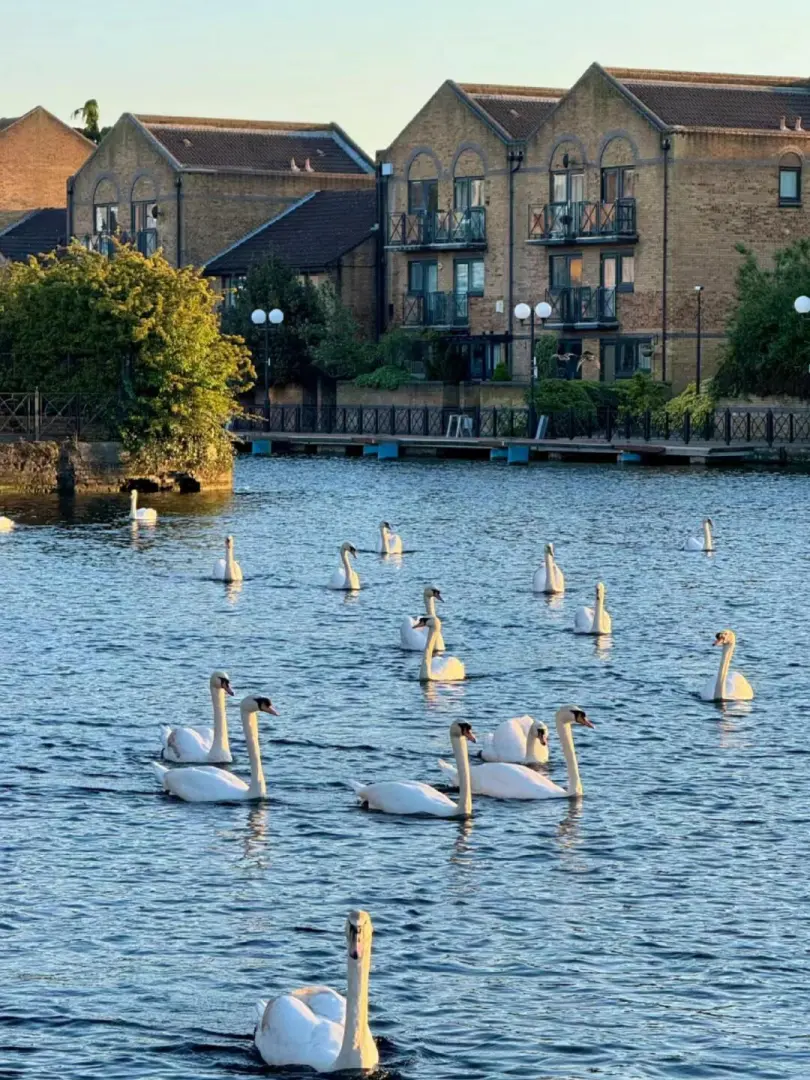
[657, 929]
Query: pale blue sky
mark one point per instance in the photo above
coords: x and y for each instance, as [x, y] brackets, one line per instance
[367, 64]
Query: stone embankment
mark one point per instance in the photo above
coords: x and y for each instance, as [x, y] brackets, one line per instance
[65, 468]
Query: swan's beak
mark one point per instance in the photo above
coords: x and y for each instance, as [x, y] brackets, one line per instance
[470, 734]
[355, 943]
[226, 686]
[718, 640]
[582, 719]
[274, 711]
[438, 595]
[543, 737]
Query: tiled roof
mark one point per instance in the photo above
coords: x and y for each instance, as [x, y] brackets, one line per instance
[256, 146]
[518, 110]
[7, 121]
[35, 234]
[692, 99]
[309, 237]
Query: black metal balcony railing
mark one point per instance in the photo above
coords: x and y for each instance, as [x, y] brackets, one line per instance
[441, 228]
[582, 305]
[146, 241]
[102, 243]
[436, 309]
[562, 222]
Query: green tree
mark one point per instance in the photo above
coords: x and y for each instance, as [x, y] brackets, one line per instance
[90, 117]
[339, 350]
[135, 331]
[768, 350]
[545, 353]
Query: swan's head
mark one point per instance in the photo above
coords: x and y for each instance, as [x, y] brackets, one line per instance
[133, 496]
[541, 731]
[352, 550]
[431, 591]
[572, 714]
[252, 704]
[550, 550]
[359, 931]
[385, 526]
[432, 622]
[725, 637]
[600, 591]
[220, 680]
[709, 522]
[229, 543]
[462, 730]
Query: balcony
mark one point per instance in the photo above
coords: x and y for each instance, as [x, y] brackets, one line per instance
[582, 307]
[440, 229]
[145, 241]
[436, 310]
[583, 223]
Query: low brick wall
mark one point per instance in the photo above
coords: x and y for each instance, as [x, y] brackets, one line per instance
[414, 394]
[42, 468]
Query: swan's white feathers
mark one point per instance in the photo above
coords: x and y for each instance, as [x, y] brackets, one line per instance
[6, 524]
[509, 741]
[204, 783]
[188, 744]
[405, 797]
[292, 1033]
[500, 780]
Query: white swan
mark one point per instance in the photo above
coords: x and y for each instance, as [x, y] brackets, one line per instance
[702, 543]
[206, 783]
[728, 685]
[412, 635]
[198, 745]
[146, 514]
[227, 569]
[448, 668]
[6, 524]
[593, 620]
[503, 781]
[549, 577]
[521, 741]
[413, 797]
[389, 543]
[345, 578]
[318, 1027]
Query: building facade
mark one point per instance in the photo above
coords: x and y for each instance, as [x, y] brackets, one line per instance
[38, 152]
[612, 202]
[192, 186]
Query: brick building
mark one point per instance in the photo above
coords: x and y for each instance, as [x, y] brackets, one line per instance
[38, 152]
[626, 193]
[193, 186]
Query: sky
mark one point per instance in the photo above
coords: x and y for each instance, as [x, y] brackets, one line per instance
[369, 65]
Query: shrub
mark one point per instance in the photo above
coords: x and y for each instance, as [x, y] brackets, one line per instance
[699, 406]
[641, 394]
[545, 352]
[387, 377]
[563, 395]
[501, 373]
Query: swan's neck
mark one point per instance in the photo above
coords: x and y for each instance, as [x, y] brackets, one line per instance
[463, 768]
[566, 738]
[230, 565]
[221, 743]
[133, 503]
[430, 606]
[258, 787]
[430, 647]
[707, 536]
[722, 673]
[533, 746]
[357, 1050]
[549, 568]
[347, 566]
[598, 615]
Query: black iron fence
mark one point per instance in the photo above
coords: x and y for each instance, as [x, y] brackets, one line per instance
[763, 426]
[559, 222]
[449, 228]
[36, 415]
[573, 305]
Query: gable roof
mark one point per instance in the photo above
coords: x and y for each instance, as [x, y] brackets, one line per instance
[687, 99]
[9, 121]
[255, 145]
[309, 236]
[515, 111]
[36, 233]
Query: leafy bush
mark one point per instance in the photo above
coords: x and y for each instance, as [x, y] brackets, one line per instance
[641, 394]
[563, 395]
[387, 377]
[501, 373]
[444, 361]
[545, 353]
[699, 406]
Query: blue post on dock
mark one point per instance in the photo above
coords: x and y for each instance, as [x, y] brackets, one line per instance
[370, 451]
[262, 447]
[388, 451]
[498, 453]
[517, 455]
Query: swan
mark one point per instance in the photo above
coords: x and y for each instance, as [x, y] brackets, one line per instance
[593, 620]
[345, 578]
[206, 783]
[549, 577]
[413, 797]
[704, 543]
[504, 781]
[318, 1027]
[413, 636]
[521, 741]
[146, 514]
[728, 685]
[449, 668]
[6, 524]
[227, 569]
[200, 745]
[389, 542]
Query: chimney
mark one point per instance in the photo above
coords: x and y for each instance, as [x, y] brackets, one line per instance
[783, 123]
[798, 125]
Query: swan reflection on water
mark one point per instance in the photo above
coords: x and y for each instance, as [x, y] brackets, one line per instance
[602, 646]
[554, 602]
[734, 735]
[232, 591]
[436, 692]
[251, 836]
[569, 838]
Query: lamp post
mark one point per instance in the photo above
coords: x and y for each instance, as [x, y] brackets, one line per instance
[524, 312]
[698, 294]
[260, 317]
[802, 305]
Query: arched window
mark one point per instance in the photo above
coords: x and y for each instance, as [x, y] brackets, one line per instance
[105, 215]
[144, 215]
[423, 185]
[469, 215]
[790, 180]
[567, 174]
[618, 171]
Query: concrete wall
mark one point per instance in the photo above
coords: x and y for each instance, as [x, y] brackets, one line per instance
[37, 155]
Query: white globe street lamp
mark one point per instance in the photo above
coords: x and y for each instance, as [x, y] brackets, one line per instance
[802, 305]
[260, 317]
[541, 311]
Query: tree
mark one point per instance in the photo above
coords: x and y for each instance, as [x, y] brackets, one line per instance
[769, 344]
[340, 351]
[134, 331]
[90, 116]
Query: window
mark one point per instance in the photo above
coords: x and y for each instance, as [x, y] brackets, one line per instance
[568, 186]
[469, 277]
[423, 196]
[618, 183]
[565, 271]
[423, 277]
[230, 284]
[623, 357]
[105, 218]
[144, 226]
[790, 185]
[619, 271]
[468, 191]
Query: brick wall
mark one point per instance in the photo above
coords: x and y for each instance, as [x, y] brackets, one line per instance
[37, 155]
[355, 283]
